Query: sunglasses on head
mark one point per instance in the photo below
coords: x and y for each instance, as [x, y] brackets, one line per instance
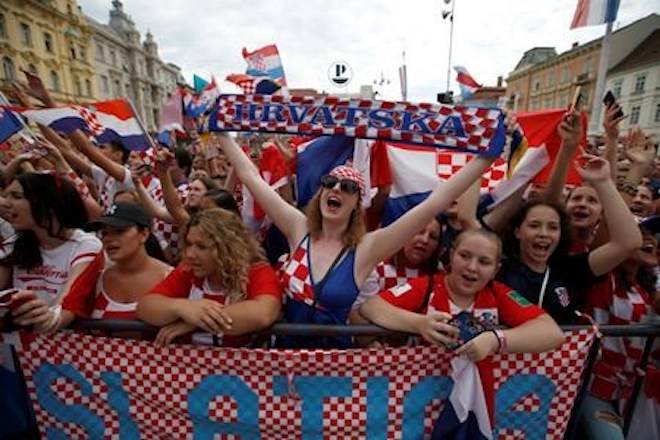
[345, 185]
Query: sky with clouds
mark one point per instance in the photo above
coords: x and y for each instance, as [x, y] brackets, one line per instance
[490, 36]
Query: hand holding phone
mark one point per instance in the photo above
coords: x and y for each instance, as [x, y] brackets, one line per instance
[610, 101]
[468, 326]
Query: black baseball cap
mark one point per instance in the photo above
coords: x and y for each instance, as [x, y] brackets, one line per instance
[122, 215]
[650, 223]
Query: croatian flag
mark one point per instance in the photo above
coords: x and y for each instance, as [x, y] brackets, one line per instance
[197, 104]
[251, 85]
[10, 124]
[265, 62]
[107, 121]
[317, 157]
[171, 118]
[592, 12]
[467, 84]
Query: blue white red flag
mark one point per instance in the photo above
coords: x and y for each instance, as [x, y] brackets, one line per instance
[265, 62]
[319, 156]
[197, 104]
[171, 118]
[260, 85]
[592, 12]
[107, 121]
[10, 124]
[466, 83]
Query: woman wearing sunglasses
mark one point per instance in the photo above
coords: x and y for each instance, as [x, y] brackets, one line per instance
[331, 255]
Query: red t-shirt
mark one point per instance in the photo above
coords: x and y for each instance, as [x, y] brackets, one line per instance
[496, 303]
[181, 283]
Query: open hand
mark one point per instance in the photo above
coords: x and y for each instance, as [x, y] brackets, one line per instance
[637, 148]
[570, 129]
[611, 121]
[433, 327]
[593, 168]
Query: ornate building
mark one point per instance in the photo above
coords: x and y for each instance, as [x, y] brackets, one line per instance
[50, 38]
[127, 67]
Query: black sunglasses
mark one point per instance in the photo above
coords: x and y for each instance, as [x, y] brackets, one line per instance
[345, 185]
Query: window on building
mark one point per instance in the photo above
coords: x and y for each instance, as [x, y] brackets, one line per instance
[33, 69]
[100, 52]
[113, 57]
[586, 68]
[77, 87]
[117, 88]
[105, 84]
[563, 100]
[656, 118]
[83, 53]
[72, 51]
[616, 88]
[26, 35]
[634, 114]
[640, 82]
[565, 75]
[3, 26]
[54, 81]
[8, 68]
[585, 98]
[48, 42]
[88, 87]
[537, 85]
[551, 79]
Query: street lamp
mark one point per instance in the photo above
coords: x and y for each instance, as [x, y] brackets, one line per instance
[379, 83]
[449, 14]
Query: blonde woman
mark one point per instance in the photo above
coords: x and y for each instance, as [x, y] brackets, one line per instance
[331, 255]
[224, 286]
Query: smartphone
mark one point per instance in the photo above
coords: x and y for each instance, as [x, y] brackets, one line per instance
[609, 101]
[468, 326]
[576, 104]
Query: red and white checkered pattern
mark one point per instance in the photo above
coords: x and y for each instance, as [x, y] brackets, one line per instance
[295, 278]
[563, 366]
[89, 117]
[480, 124]
[350, 173]
[449, 163]
[158, 381]
[390, 276]
[167, 232]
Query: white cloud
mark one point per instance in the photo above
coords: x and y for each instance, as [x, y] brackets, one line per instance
[206, 36]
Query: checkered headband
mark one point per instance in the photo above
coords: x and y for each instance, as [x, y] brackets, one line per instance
[350, 173]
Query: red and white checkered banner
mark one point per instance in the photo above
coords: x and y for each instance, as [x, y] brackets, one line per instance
[471, 129]
[94, 387]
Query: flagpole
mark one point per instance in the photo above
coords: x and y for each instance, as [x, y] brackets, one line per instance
[139, 121]
[451, 40]
[599, 91]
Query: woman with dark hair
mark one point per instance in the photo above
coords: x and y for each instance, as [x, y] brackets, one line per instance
[125, 231]
[54, 263]
[219, 198]
[537, 263]
[331, 253]
[224, 285]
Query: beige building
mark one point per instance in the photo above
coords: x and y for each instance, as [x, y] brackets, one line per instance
[544, 79]
[128, 67]
[50, 38]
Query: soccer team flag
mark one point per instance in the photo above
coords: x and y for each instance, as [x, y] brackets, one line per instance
[265, 61]
[466, 82]
[592, 12]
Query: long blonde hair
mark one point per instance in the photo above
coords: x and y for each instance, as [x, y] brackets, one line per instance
[356, 225]
[236, 249]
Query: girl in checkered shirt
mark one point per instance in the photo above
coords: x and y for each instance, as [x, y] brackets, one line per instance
[331, 255]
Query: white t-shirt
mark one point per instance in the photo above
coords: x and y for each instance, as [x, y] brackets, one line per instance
[48, 279]
[108, 186]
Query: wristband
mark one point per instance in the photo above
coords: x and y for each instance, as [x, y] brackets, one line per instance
[501, 341]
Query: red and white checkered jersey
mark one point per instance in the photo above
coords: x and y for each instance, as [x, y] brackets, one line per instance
[612, 302]
[54, 272]
[391, 276]
[78, 183]
[108, 186]
[182, 283]
[168, 231]
[107, 308]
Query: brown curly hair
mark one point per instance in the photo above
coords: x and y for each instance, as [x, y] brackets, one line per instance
[356, 225]
[236, 249]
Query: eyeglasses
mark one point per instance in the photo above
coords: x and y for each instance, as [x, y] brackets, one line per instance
[345, 185]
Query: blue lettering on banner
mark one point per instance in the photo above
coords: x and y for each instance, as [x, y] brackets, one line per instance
[276, 110]
[44, 377]
[297, 117]
[452, 126]
[252, 111]
[427, 389]
[328, 120]
[409, 120]
[534, 423]
[377, 408]
[209, 388]
[380, 119]
[351, 113]
[119, 401]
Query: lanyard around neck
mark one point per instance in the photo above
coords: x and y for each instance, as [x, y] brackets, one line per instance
[544, 285]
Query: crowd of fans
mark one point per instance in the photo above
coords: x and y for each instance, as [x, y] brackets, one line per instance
[207, 242]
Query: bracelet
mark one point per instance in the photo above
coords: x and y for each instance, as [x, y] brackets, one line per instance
[56, 319]
[501, 341]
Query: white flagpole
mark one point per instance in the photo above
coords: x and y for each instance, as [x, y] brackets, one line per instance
[139, 121]
[599, 91]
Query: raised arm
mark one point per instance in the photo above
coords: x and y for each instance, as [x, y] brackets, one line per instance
[624, 232]
[115, 170]
[149, 204]
[170, 195]
[288, 219]
[380, 244]
[72, 157]
[570, 132]
[611, 127]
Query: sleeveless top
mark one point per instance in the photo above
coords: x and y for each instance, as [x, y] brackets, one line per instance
[331, 305]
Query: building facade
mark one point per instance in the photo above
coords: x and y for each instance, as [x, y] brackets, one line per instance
[50, 38]
[544, 79]
[128, 67]
[635, 83]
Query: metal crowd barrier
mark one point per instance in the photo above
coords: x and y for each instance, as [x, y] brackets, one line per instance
[649, 331]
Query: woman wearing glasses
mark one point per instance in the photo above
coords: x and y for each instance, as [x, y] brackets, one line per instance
[331, 255]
